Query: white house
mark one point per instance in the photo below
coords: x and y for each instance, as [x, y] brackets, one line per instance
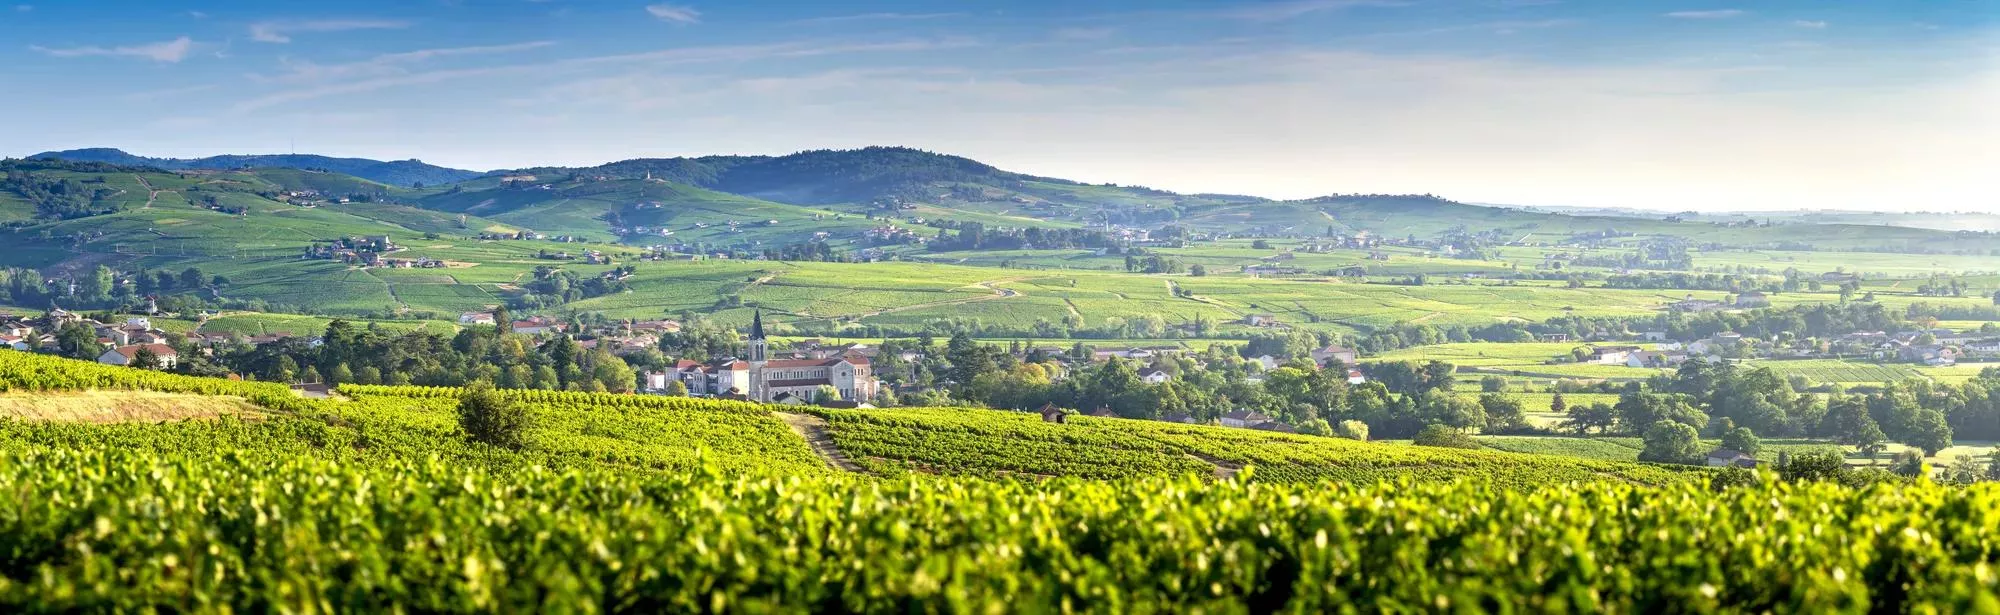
[16, 342]
[1722, 457]
[1244, 418]
[476, 318]
[1611, 355]
[1154, 376]
[1346, 355]
[1354, 377]
[124, 355]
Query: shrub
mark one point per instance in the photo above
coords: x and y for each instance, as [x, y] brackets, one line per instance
[1444, 437]
[488, 417]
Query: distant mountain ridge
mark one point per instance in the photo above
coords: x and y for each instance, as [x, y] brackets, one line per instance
[398, 172]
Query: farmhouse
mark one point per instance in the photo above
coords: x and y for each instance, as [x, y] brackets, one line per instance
[1611, 355]
[1752, 299]
[1244, 418]
[1724, 458]
[125, 355]
[537, 325]
[1334, 352]
[1260, 320]
[1154, 376]
[475, 318]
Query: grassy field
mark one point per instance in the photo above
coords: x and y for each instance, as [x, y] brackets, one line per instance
[120, 406]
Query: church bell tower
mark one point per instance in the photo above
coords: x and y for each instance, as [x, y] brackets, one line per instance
[758, 347]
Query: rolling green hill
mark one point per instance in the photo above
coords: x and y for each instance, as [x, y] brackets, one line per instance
[594, 208]
[400, 172]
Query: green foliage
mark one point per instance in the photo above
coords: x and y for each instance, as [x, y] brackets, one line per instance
[1742, 439]
[1441, 436]
[1672, 442]
[1352, 430]
[659, 504]
[488, 418]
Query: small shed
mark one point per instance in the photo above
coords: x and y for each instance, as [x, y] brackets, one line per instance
[1052, 414]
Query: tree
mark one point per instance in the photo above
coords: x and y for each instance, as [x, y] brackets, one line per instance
[1930, 432]
[487, 417]
[100, 285]
[341, 374]
[1316, 427]
[1557, 405]
[1583, 418]
[145, 358]
[1742, 439]
[1669, 441]
[1198, 270]
[285, 369]
[1357, 430]
[77, 341]
[1502, 412]
[1444, 437]
[1908, 464]
[1814, 466]
[677, 389]
[191, 278]
[826, 392]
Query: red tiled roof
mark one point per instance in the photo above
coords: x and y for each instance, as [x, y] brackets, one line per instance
[159, 350]
[784, 363]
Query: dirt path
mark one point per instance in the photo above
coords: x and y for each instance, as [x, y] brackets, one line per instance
[152, 194]
[1174, 288]
[1224, 470]
[813, 429]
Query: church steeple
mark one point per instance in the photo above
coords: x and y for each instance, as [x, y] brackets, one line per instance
[758, 346]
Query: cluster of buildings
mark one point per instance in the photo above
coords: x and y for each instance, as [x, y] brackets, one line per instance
[799, 379]
[369, 251]
[1933, 347]
[121, 343]
[1749, 299]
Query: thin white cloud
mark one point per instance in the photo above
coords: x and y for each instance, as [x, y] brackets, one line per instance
[1810, 24]
[167, 51]
[1289, 9]
[384, 64]
[674, 13]
[154, 95]
[198, 14]
[1709, 14]
[281, 31]
[1083, 34]
[875, 17]
[676, 56]
[23, 8]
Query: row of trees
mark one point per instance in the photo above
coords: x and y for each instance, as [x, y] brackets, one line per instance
[105, 288]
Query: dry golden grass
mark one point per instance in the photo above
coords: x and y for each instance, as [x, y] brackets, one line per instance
[121, 406]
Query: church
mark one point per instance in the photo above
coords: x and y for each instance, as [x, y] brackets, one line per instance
[760, 378]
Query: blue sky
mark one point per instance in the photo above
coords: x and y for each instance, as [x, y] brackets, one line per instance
[1692, 104]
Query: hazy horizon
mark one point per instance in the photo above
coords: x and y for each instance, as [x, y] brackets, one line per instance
[1666, 106]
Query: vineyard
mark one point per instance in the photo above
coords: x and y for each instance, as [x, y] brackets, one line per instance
[373, 501]
[959, 441]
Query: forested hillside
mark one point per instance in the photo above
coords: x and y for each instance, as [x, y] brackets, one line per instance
[399, 172]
